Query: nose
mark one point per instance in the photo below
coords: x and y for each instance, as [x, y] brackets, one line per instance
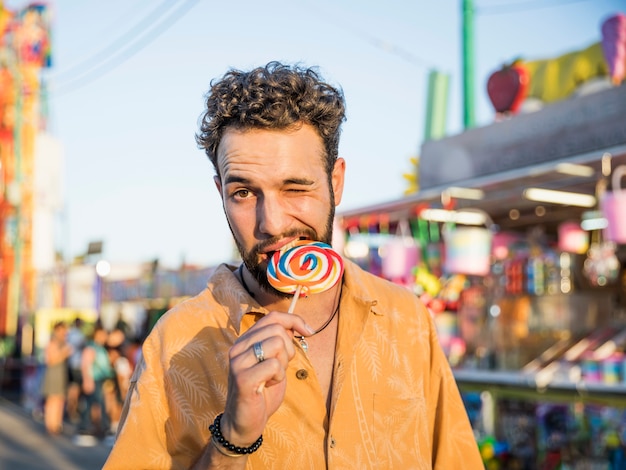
[272, 216]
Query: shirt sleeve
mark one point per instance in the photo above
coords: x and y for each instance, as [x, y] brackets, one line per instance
[141, 439]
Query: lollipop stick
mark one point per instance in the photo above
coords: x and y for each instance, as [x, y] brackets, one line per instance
[292, 306]
[294, 300]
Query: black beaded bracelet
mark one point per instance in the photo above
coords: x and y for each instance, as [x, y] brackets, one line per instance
[216, 432]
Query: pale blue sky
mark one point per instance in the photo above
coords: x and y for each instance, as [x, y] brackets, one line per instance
[134, 177]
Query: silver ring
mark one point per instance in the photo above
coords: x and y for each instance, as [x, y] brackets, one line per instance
[258, 351]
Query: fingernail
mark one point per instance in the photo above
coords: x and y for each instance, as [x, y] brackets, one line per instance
[309, 329]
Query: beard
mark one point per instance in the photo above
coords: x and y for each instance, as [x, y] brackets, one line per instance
[259, 270]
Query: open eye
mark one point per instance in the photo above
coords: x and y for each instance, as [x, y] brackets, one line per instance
[242, 194]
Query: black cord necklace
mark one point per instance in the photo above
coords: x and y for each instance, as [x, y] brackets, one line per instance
[243, 281]
[301, 339]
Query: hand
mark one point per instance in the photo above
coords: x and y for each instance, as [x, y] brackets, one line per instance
[256, 389]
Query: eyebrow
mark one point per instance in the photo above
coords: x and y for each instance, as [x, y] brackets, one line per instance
[239, 179]
[235, 179]
[301, 181]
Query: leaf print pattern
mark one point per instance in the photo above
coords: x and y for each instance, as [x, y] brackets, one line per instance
[193, 349]
[183, 409]
[371, 359]
[387, 343]
[394, 402]
[193, 388]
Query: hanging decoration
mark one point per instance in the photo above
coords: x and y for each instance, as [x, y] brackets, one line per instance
[400, 255]
[508, 87]
[613, 207]
[601, 267]
[614, 46]
[468, 249]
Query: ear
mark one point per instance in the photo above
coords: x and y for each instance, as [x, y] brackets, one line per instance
[338, 178]
[218, 184]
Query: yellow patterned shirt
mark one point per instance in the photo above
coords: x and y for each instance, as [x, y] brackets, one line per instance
[395, 404]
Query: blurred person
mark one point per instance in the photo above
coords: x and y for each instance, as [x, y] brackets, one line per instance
[55, 379]
[117, 338]
[96, 370]
[355, 378]
[116, 388]
[133, 352]
[76, 338]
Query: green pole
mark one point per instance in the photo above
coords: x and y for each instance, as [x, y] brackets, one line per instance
[436, 105]
[468, 63]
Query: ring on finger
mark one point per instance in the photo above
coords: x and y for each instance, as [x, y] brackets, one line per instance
[258, 351]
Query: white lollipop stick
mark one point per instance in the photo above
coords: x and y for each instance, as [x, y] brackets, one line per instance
[294, 300]
[292, 307]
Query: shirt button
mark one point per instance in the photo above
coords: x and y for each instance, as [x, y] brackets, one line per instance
[302, 374]
[332, 442]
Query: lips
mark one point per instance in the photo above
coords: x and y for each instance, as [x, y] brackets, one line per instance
[283, 245]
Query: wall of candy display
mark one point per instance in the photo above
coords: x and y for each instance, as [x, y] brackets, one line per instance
[537, 313]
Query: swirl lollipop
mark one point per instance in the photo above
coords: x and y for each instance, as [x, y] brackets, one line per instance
[305, 268]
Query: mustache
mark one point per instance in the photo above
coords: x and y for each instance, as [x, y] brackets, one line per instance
[304, 233]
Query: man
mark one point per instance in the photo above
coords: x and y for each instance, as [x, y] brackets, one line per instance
[373, 388]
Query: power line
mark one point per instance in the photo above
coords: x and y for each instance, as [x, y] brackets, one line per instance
[373, 40]
[124, 48]
[104, 31]
[394, 49]
[523, 6]
[116, 45]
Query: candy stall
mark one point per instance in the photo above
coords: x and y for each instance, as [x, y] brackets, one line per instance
[516, 242]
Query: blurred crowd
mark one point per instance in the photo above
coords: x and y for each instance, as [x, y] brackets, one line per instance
[87, 371]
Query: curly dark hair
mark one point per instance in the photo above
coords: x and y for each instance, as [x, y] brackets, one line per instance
[276, 96]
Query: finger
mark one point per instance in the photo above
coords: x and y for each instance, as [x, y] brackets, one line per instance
[254, 379]
[268, 357]
[289, 322]
[260, 332]
[259, 353]
[275, 347]
[270, 373]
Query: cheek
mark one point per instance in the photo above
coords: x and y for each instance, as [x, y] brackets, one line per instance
[241, 220]
[234, 215]
[312, 212]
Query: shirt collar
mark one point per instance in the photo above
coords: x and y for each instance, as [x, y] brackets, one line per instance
[358, 286]
[230, 294]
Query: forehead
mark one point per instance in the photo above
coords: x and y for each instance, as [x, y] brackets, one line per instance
[255, 149]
